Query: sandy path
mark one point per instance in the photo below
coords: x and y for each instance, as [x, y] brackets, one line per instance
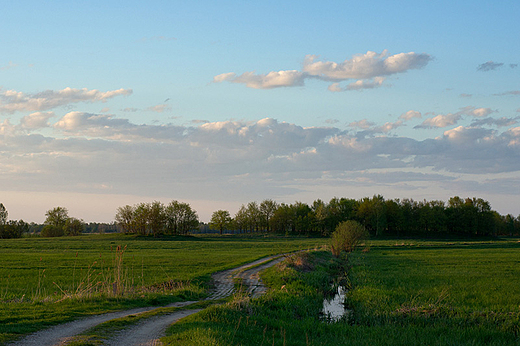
[150, 330]
[61, 334]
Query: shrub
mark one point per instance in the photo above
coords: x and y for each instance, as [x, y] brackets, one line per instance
[347, 236]
[52, 231]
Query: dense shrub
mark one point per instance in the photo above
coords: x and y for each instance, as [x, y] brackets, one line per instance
[347, 236]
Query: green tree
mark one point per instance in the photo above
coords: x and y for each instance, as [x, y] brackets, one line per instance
[3, 215]
[125, 217]
[73, 226]
[180, 218]
[267, 210]
[241, 219]
[220, 220]
[156, 218]
[57, 217]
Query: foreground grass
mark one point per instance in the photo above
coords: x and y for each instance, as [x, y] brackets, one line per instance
[402, 293]
[44, 282]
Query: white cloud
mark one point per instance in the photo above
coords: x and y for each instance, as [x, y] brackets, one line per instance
[271, 80]
[368, 69]
[362, 124]
[12, 101]
[441, 121]
[411, 114]
[366, 84]
[365, 66]
[244, 160]
[452, 118]
[36, 120]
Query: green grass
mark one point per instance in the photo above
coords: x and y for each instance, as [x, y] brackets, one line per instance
[46, 281]
[403, 292]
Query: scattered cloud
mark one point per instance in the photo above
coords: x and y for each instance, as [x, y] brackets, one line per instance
[365, 66]
[159, 108]
[362, 124]
[489, 66]
[12, 101]
[501, 122]
[449, 119]
[411, 114]
[36, 120]
[266, 81]
[130, 109]
[369, 71]
[359, 84]
[331, 121]
[512, 92]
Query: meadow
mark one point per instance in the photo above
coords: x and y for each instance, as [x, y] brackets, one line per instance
[46, 281]
[401, 292]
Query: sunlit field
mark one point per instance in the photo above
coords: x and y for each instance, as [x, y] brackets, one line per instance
[48, 281]
[401, 292]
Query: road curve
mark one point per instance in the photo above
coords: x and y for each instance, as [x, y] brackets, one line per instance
[150, 330]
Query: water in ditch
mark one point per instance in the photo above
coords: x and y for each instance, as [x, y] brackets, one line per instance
[334, 308]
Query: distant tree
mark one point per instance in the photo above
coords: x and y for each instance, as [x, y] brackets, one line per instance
[57, 217]
[13, 229]
[180, 218]
[3, 215]
[156, 218]
[73, 226]
[125, 217]
[220, 220]
[267, 209]
[140, 219]
[254, 216]
[241, 220]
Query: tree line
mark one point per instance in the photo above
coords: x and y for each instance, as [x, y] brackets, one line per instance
[156, 218]
[380, 217]
[392, 217]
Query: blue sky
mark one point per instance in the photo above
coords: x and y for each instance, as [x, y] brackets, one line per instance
[218, 103]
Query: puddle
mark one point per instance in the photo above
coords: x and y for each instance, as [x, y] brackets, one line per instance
[334, 308]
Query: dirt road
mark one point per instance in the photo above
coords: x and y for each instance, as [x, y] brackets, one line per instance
[150, 330]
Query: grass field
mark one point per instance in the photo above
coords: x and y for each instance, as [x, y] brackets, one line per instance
[45, 281]
[402, 292]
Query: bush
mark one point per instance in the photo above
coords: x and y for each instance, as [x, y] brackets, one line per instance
[52, 231]
[347, 236]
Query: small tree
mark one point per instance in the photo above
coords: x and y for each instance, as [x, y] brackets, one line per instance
[3, 215]
[73, 226]
[57, 217]
[347, 236]
[220, 220]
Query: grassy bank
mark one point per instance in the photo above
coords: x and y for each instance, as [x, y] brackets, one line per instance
[404, 292]
[49, 281]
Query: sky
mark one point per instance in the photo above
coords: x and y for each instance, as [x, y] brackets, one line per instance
[220, 103]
